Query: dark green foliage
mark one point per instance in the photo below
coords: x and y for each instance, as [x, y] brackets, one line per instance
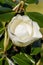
[36, 17]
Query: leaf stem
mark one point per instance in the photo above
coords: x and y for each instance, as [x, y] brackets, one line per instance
[6, 40]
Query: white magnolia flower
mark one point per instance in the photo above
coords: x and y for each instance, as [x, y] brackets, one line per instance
[23, 31]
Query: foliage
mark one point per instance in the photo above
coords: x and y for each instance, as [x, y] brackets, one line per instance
[10, 55]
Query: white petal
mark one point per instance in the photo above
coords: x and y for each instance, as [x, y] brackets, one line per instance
[36, 31]
[19, 17]
[20, 30]
[25, 18]
[35, 24]
[29, 28]
[23, 31]
[23, 44]
[15, 22]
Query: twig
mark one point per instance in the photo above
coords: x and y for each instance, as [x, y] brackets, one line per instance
[18, 5]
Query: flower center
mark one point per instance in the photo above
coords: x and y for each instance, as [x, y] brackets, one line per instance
[23, 31]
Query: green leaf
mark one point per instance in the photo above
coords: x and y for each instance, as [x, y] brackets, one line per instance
[10, 44]
[9, 2]
[6, 62]
[35, 51]
[1, 44]
[1, 39]
[1, 61]
[1, 26]
[4, 10]
[36, 17]
[32, 1]
[1, 29]
[6, 17]
[21, 59]
[30, 58]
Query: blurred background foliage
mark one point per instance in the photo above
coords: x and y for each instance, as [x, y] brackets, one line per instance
[29, 55]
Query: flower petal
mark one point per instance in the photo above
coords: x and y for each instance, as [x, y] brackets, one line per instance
[36, 31]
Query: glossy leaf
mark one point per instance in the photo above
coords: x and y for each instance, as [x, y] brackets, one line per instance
[21, 59]
[36, 17]
[4, 10]
[30, 58]
[6, 17]
[35, 51]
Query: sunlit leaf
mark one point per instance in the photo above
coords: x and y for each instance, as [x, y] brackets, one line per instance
[35, 51]
[21, 59]
[35, 8]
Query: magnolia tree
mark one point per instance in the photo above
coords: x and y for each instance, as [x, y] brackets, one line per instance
[21, 33]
